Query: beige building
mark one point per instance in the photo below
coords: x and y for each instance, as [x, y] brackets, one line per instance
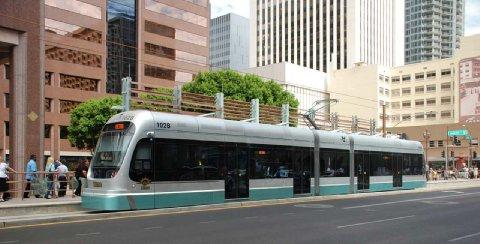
[422, 101]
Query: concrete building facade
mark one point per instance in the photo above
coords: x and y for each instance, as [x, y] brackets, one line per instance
[80, 49]
[432, 29]
[229, 42]
[324, 35]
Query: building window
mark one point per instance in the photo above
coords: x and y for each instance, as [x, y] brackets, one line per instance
[419, 103]
[395, 92]
[7, 71]
[7, 128]
[160, 73]
[406, 78]
[447, 86]
[47, 131]
[431, 101]
[406, 117]
[76, 7]
[419, 116]
[431, 74]
[440, 143]
[406, 91]
[446, 72]
[431, 115]
[63, 132]
[176, 13]
[395, 80]
[431, 88]
[121, 43]
[48, 104]
[7, 100]
[74, 31]
[387, 92]
[380, 90]
[431, 144]
[406, 104]
[419, 76]
[177, 34]
[446, 100]
[419, 89]
[446, 114]
[395, 105]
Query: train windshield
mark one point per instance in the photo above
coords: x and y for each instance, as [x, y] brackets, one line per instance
[111, 148]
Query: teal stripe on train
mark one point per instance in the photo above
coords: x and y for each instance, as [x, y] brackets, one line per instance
[414, 184]
[271, 193]
[150, 201]
[381, 186]
[332, 189]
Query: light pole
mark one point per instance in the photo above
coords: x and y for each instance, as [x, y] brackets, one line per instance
[426, 136]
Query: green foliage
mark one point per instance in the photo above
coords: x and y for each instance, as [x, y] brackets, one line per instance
[240, 87]
[88, 119]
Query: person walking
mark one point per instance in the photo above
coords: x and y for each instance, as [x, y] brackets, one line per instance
[62, 171]
[30, 176]
[4, 168]
[49, 173]
[81, 174]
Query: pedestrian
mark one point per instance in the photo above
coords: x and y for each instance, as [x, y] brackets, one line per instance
[81, 174]
[49, 173]
[62, 171]
[30, 176]
[4, 177]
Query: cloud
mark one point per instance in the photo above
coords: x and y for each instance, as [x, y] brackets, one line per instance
[222, 7]
[472, 17]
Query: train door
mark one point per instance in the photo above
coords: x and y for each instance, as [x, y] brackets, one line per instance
[362, 170]
[301, 171]
[236, 172]
[397, 170]
[142, 172]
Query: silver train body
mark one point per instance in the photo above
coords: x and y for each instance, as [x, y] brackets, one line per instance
[136, 165]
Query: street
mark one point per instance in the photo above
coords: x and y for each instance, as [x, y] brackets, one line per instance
[428, 217]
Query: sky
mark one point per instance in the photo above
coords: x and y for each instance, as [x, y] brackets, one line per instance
[241, 7]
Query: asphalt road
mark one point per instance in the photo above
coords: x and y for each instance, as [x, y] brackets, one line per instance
[429, 217]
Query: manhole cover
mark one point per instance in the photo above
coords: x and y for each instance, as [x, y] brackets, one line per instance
[440, 202]
[313, 206]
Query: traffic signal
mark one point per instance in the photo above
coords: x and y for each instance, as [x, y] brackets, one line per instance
[474, 154]
[452, 154]
[456, 141]
[443, 154]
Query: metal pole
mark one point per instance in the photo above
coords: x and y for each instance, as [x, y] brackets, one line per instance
[447, 153]
[383, 120]
[285, 114]
[219, 106]
[316, 163]
[126, 87]
[255, 111]
[352, 164]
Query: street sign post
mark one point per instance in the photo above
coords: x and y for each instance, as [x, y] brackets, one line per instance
[457, 132]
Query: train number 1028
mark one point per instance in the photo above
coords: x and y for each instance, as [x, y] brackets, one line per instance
[163, 125]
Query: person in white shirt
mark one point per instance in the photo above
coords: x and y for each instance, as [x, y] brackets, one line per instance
[4, 168]
[62, 171]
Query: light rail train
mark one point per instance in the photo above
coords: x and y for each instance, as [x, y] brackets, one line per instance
[146, 160]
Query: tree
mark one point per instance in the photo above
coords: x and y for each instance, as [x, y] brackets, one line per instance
[88, 119]
[240, 87]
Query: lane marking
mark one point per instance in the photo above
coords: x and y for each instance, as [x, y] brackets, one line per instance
[370, 210]
[464, 237]
[251, 217]
[88, 234]
[453, 191]
[5, 242]
[207, 222]
[288, 213]
[153, 228]
[376, 221]
[411, 200]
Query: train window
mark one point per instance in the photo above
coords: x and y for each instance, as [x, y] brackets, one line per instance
[413, 164]
[178, 160]
[334, 163]
[270, 162]
[141, 166]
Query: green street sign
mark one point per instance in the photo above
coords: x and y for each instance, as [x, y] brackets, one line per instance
[457, 132]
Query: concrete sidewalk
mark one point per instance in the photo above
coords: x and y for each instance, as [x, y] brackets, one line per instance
[45, 211]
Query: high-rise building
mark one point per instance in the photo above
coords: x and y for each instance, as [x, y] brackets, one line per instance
[432, 29]
[229, 42]
[75, 50]
[328, 34]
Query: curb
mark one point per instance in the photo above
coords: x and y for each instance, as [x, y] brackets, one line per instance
[85, 216]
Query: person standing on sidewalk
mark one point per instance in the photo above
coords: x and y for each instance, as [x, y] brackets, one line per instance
[49, 174]
[62, 171]
[30, 175]
[4, 168]
[81, 174]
